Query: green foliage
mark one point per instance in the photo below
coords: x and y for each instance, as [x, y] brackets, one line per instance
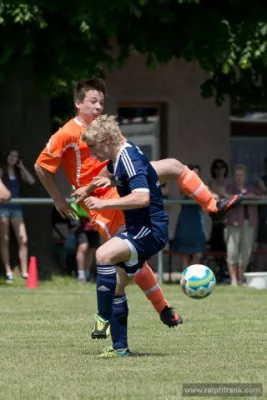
[63, 40]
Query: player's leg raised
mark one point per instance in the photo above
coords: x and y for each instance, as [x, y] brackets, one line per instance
[191, 184]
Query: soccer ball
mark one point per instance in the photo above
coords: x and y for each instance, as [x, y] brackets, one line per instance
[197, 281]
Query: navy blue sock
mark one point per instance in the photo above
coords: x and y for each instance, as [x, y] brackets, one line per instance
[105, 289]
[119, 322]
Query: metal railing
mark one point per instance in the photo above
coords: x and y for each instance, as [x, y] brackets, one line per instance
[47, 201]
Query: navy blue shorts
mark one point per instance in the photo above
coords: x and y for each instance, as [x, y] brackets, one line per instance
[143, 244]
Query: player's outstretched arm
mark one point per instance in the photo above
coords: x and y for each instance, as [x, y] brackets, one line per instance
[131, 201]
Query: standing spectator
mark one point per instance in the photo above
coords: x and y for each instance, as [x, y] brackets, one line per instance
[262, 221]
[217, 185]
[189, 239]
[12, 173]
[219, 174]
[240, 226]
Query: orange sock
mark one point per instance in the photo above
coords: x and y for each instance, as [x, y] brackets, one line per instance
[192, 185]
[147, 282]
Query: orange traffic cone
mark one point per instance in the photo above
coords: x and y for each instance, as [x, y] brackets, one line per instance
[32, 280]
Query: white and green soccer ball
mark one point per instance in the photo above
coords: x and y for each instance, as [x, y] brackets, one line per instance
[198, 281]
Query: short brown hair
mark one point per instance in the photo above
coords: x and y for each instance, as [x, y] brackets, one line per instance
[97, 82]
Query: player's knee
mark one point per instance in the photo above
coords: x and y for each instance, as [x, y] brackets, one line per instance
[176, 166]
[102, 257]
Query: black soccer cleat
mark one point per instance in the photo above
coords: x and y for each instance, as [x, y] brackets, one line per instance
[224, 205]
[170, 318]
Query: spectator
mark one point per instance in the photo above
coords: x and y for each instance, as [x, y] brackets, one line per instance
[217, 185]
[262, 221]
[189, 239]
[240, 226]
[12, 173]
[219, 174]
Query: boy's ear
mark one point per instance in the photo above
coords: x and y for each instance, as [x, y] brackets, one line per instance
[77, 103]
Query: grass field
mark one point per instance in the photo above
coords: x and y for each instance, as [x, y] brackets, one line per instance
[46, 353]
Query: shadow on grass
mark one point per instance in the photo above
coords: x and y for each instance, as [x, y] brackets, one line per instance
[133, 354]
[151, 354]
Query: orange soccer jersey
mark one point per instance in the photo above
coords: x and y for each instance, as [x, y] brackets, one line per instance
[65, 147]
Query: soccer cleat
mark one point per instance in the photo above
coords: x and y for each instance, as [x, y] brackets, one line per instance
[101, 329]
[224, 205]
[109, 352]
[170, 318]
[107, 349]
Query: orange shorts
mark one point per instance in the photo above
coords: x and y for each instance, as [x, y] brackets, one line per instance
[107, 222]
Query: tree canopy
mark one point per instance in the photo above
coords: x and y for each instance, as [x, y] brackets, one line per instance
[63, 40]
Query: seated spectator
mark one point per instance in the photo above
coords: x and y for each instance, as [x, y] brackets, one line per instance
[12, 173]
[240, 226]
[189, 239]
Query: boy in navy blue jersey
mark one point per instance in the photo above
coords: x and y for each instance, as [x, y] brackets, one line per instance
[146, 223]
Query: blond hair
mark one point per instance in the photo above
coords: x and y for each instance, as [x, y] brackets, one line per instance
[101, 128]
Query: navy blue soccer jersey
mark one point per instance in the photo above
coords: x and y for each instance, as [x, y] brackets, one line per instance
[133, 172]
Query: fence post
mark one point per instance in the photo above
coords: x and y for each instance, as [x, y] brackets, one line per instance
[160, 267]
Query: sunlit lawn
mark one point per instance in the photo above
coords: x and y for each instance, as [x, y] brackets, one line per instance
[46, 352]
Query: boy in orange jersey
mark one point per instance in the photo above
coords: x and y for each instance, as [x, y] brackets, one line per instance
[65, 147]
[80, 167]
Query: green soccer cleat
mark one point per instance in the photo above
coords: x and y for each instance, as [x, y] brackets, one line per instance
[109, 352]
[101, 329]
